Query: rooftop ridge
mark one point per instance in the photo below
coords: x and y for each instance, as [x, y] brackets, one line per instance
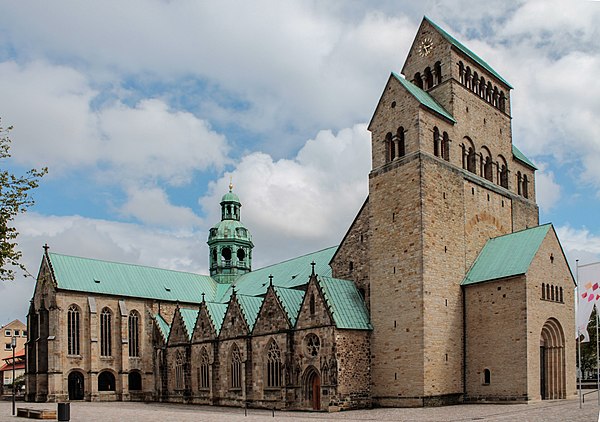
[296, 257]
[468, 52]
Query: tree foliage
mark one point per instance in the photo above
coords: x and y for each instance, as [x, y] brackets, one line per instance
[15, 198]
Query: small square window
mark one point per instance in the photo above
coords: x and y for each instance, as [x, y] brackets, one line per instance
[7, 346]
[7, 333]
[24, 333]
[17, 333]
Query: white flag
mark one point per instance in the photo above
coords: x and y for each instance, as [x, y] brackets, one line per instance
[588, 295]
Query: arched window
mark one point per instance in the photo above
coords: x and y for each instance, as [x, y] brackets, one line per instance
[482, 87]
[489, 93]
[487, 164]
[519, 182]
[134, 334]
[561, 295]
[468, 80]
[236, 367]
[543, 290]
[179, 370]
[135, 381]
[525, 186]
[503, 169]
[469, 155]
[73, 330]
[106, 381]
[428, 78]
[226, 254]
[312, 304]
[446, 147]
[418, 80]
[400, 140]
[273, 365]
[461, 72]
[204, 377]
[391, 146]
[437, 70]
[496, 96]
[487, 376]
[106, 332]
[547, 291]
[502, 102]
[475, 83]
[436, 141]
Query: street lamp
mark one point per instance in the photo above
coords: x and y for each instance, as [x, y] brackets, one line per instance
[13, 344]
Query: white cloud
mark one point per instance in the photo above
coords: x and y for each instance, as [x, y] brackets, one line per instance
[579, 244]
[547, 191]
[151, 206]
[55, 125]
[182, 250]
[300, 205]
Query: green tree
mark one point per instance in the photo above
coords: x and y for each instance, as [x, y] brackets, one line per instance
[15, 198]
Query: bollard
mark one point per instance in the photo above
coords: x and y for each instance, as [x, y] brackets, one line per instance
[64, 412]
[273, 411]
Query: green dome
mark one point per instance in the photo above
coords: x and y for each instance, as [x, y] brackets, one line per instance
[230, 197]
[230, 230]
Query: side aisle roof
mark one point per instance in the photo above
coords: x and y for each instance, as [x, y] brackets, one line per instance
[506, 256]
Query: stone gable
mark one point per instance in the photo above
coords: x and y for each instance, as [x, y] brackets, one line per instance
[234, 323]
[314, 311]
[271, 317]
[204, 328]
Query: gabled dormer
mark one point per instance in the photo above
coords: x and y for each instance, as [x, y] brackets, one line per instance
[234, 323]
[272, 317]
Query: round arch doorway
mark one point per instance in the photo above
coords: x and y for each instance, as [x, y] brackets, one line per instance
[312, 388]
[552, 361]
[76, 385]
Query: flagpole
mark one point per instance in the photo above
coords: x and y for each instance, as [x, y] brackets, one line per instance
[577, 266]
[580, 372]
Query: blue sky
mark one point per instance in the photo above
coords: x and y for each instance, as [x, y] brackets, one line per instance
[143, 111]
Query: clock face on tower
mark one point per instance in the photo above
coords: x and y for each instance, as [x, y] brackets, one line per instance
[425, 46]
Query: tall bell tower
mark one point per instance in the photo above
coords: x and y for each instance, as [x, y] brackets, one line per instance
[229, 242]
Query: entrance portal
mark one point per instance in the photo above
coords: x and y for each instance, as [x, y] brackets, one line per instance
[552, 361]
[312, 388]
[76, 385]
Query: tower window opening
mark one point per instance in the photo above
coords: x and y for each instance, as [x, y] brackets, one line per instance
[487, 376]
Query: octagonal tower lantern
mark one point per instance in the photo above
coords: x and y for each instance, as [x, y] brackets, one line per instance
[229, 242]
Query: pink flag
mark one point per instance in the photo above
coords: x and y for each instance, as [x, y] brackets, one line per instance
[588, 293]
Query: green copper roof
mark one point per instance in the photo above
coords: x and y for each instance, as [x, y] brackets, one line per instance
[290, 273]
[250, 306]
[468, 52]
[345, 303]
[521, 157]
[163, 327]
[95, 276]
[216, 311]
[424, 98]
[507, 255]
[291, 299]
[189, 319]
[230, 197]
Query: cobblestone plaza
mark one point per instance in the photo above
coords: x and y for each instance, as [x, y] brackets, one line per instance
[546, 411]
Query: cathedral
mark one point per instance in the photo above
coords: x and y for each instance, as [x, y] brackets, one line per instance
[445, 288]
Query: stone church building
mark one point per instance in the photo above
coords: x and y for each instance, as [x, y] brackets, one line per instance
[444, 289]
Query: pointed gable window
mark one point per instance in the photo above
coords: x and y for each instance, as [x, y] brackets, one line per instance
[179, 370]
[73, 330]
[204, 370]
[273, 365]
[105, 333]
[236, 367]
[312, 304]
[134, 335]
[436, 141]
[400, 140]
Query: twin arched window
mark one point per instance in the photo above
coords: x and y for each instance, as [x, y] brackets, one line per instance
[441, 144]
[73, 330]
[395, 144]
